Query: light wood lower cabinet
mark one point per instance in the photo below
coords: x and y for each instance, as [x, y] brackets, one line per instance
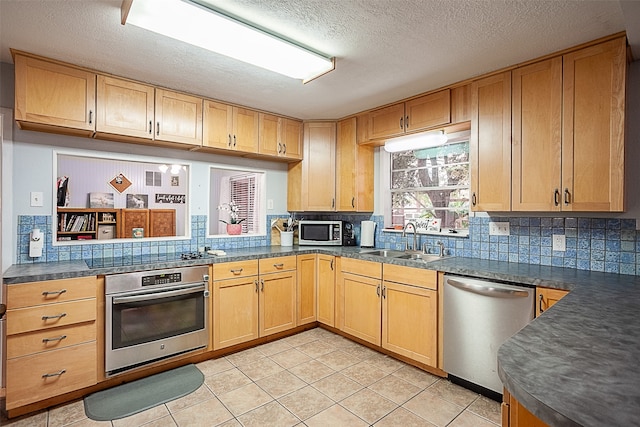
[277, 294]
[247, 305]
[516, 415]
[547, 297]
[307, 284]
[410, 312]
[51, 339]
[326, 289]
[360, 303]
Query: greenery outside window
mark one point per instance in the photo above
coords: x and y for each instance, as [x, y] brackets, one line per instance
[430, 183]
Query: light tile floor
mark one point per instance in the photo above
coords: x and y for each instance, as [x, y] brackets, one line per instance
[315, 378]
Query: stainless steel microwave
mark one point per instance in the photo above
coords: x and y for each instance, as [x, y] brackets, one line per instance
[320, 233]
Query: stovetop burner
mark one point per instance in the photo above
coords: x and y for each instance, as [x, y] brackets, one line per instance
[191, 255]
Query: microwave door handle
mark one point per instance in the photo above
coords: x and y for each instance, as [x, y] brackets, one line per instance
[158, 295]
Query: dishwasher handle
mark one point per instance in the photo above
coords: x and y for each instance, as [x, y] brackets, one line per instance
[487, 289]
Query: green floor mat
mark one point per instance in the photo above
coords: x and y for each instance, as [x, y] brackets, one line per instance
[137, 396]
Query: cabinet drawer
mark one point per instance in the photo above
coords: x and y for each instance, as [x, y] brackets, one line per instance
[49, 339]
[26, 382]
[62, 314]
[229, 270]
[362, 268]
[50, 291]
[410, 276]
[273, 265]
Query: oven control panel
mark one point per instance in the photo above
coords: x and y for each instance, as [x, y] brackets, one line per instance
[161, 279]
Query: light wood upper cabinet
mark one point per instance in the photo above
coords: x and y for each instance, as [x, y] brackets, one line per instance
[178, 117]
[125, 108]
[318, 166]
[291, 136]
[593, 127]
[354, 179]
[417, 114]
[280, 137]
[51, 96]
[230, 128]
[537, 141]
[490, 145]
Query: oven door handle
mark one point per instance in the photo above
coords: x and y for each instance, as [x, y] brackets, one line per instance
[159, 295]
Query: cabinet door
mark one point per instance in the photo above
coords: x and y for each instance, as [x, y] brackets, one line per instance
[428, 111]
[54, 94]
[547, 297]
[537, 143]
[410, 321]
[386, 122]
[245, 130]
[134, 218]
[593, 128]
[270, 127]
[516, 415]
[235, 311]
[361, 307]
[319, 167]
[162, 222]
[291, 137]
[218, 125]
[277, 302]
[178, 117]
[306, 292]
[124, 108]
[490, 145]
[326, 280]
[346, 166]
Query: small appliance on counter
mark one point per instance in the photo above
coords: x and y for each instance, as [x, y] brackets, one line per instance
[367, 234]
[319, 233]
[348, 234]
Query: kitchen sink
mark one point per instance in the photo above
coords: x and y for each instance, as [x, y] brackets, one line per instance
[421, 257]
[388, 253]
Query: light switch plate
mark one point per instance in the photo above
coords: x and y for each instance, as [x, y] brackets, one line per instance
[559, 242]
[498, 228]
[36, 198]
[270, 204]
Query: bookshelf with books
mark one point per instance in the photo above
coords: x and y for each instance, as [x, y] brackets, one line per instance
[84, 224]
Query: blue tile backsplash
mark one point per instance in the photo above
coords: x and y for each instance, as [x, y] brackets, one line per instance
[596, 244]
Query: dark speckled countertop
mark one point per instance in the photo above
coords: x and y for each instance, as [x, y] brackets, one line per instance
[577, 364]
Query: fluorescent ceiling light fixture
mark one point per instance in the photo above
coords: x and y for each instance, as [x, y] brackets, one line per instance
[200, 26]
[415, 141]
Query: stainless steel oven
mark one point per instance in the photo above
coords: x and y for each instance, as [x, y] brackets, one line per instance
[152, 315]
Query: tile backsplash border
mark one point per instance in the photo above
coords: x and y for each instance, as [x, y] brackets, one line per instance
[597, 244]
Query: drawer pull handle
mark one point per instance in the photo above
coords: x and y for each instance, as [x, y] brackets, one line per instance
[60, 338]
[236, 270]
[54, 374]
[55, 316]
[279, 265]
[60, 292]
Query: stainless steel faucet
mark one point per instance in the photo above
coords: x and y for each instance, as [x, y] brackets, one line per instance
[441, 246]
[415, 236]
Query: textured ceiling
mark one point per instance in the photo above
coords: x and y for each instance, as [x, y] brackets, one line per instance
[386, 49]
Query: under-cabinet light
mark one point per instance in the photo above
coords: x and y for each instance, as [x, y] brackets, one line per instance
[415, 141]
[201, 26]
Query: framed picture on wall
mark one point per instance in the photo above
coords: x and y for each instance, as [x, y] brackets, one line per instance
[137, 201]
[101, 200]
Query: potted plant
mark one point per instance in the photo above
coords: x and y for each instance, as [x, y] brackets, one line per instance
[234, 225]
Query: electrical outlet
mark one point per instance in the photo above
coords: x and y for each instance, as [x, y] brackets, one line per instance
[270, 204]
[36, 198]
[498, 228]
[559, 242]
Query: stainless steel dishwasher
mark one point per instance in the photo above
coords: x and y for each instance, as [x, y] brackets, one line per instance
[478, 317]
